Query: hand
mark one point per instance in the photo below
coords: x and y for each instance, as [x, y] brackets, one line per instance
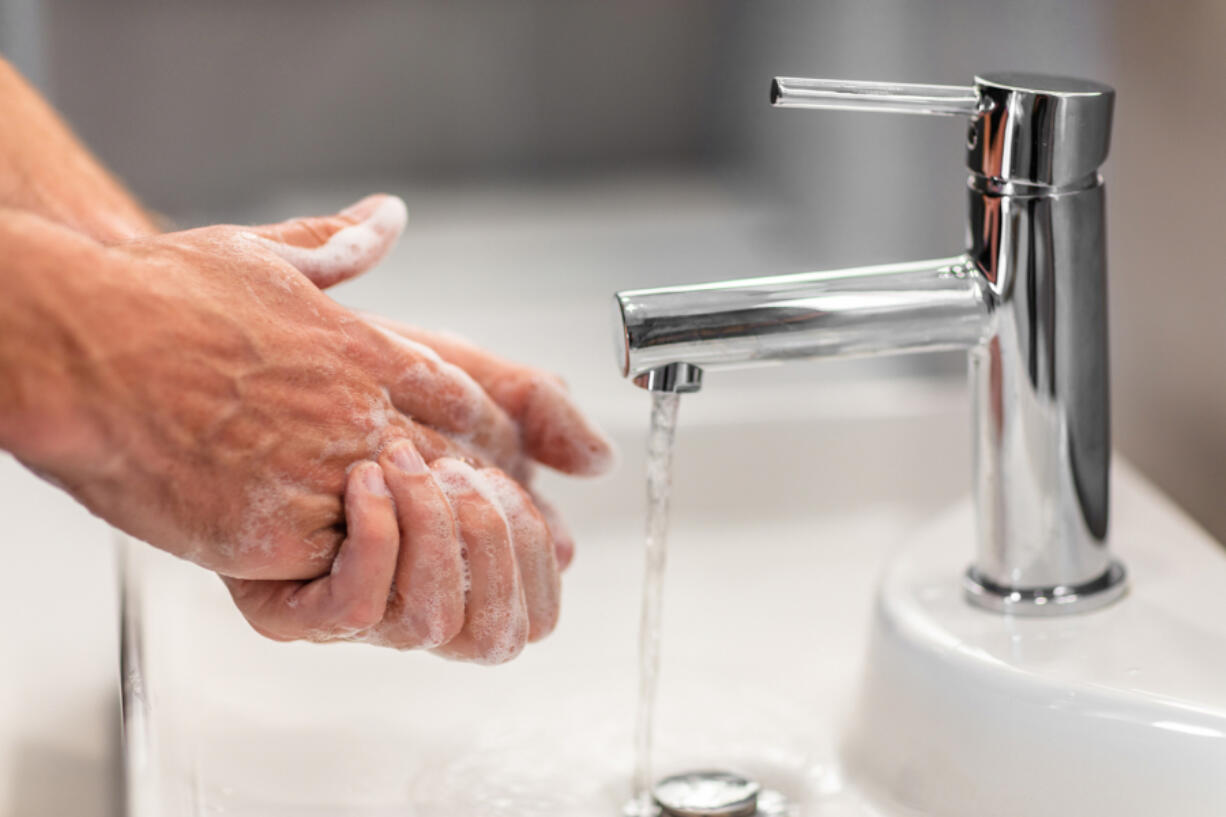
[514, 573]
[117, 394]
[513, 591]
[201, 394]
[551, 428]
[460, 562]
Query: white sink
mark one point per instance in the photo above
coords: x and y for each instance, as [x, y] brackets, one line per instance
[772, 565]
[785, 655]
[777, 661]
[1117, 712]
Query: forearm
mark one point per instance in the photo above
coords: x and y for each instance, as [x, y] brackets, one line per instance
[44, 169]
[46, 271]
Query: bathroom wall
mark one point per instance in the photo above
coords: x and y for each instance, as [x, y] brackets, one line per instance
[1168, 276]
[207, 105]
[197, 102]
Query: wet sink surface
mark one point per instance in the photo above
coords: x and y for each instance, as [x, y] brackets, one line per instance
[814, 638]
[770, 582]
[793, 487]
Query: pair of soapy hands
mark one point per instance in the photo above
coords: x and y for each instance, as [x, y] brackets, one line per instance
[349, 478]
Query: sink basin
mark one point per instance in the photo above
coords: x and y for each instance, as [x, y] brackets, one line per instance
[1121, 711]
[786, 656]
[768, 596]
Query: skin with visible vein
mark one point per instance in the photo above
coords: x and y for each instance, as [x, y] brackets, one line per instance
[347, 477]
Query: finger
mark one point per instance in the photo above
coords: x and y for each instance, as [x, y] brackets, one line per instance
[334, 248]
[563, 542]
[553, 430]
[434, 445]
[350, 599]
[429, 389]
[426, 608]
[534, 553]
[496, 620]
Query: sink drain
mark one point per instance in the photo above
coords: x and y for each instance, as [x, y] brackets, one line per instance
[707, 794]
[710, 793]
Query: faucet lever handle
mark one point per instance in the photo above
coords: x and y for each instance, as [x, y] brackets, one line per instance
[1029, 129]
[886, 97]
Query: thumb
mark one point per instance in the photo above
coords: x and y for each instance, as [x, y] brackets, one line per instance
[335, 248]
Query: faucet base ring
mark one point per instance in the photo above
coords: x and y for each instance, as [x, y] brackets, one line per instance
[1045, 601]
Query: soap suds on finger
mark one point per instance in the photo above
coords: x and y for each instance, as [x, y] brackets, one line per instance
[438, 392]
[534, 553]
[497, 619]
[353, 248]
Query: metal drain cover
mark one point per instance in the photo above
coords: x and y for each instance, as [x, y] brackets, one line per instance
[707, 793]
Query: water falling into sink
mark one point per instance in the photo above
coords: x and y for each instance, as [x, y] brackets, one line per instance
[706, 792]
[659, 491]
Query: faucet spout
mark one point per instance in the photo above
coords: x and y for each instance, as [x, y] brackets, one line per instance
[670, 335]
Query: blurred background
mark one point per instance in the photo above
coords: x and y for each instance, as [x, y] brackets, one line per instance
[552, 152]
[520, 132]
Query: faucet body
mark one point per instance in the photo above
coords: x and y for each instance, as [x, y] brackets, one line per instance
[1026, 299]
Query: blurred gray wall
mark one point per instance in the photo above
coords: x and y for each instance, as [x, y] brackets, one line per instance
[21, 37]
[194, 101]
[213, 102]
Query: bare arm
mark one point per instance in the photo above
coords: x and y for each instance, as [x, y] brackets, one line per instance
[198, 391]
[45, 169]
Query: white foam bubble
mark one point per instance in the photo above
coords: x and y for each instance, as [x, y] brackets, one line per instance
[360, 245]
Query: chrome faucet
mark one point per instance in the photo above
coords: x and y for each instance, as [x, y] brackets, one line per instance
[1027, 300]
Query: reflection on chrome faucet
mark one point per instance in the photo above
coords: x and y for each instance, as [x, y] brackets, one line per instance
[1027, 300]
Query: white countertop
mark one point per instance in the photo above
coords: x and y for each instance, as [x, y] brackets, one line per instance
[59, 692]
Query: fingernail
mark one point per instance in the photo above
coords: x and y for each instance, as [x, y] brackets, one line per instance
[372, 480]
[405, 457]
